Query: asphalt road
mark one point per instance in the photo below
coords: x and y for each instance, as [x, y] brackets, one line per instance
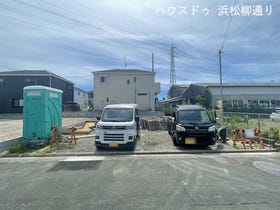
[225, 181]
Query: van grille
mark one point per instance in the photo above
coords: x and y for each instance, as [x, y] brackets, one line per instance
[105, 127]
[197, 131]
[113, 137]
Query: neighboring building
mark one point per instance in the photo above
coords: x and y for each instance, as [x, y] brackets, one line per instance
[90, 98]
[81, 97]
[125, 86]
[182, 94]
[234, 94]
[176, 91]
[246, 94]
[13, 82]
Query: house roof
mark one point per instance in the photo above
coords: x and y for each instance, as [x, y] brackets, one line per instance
[123, 71]
[32, 73]
[176, 90]
[182, 92]
[241, 84]
[79, 89]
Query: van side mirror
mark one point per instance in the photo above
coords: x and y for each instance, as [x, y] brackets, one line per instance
[98, 117]
[137, 118]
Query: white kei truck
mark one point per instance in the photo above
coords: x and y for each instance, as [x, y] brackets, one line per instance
[118, 126]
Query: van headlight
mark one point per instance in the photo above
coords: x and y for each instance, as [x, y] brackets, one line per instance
[180, 128]
[98, 126]
[129, 127]
[212, 129]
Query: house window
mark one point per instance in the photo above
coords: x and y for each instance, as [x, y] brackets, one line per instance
[2, 81]
[27, 80]
[134, 79]
[17, 102]
[104, 79]
[142, 94]
[128, 81]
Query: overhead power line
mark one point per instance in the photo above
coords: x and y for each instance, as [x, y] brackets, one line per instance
[227, 29]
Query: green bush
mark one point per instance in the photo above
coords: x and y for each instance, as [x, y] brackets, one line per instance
[168, 111]
[275, 132]
[234, 122]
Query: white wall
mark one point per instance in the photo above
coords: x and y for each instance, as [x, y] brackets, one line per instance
[80, 97]
[125, 87]
[246, 93]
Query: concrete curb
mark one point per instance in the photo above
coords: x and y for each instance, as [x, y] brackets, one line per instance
[119, 153]
[6, 144]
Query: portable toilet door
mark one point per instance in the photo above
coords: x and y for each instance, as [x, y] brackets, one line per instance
[42, 109]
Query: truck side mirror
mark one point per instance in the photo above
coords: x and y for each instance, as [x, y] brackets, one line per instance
[98, 117]
[137, 118]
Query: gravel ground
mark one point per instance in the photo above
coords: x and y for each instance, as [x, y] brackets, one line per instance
[149, 141]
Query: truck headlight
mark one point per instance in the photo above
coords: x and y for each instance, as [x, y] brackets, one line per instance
[180, 128]
[212, 129]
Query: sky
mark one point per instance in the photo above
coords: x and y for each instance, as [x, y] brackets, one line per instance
[73, 38]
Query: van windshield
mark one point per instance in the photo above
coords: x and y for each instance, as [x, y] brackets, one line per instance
[117, 115]
[193, 116]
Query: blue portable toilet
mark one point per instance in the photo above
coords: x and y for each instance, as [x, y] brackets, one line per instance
[42, 109]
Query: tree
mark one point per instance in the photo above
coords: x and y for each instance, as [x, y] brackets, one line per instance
[204, 99]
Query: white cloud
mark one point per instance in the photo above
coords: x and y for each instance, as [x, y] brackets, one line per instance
[73, 38]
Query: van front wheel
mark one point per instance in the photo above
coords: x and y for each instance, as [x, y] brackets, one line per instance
[174, 140]
[131, 146]
[98, 147]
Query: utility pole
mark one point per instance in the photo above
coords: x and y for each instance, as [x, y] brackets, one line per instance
[221, 86]
[153, 63]
[172, 66]
[124, 61]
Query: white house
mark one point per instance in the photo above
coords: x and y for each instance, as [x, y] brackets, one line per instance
[125, 86]
[80, 97]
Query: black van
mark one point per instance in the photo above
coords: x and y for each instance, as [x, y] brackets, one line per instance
[192, 125]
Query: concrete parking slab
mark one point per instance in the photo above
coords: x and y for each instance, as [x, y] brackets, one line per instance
[12, 126]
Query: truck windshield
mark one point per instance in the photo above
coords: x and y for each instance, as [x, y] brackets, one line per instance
[117, 115]
[193, 116]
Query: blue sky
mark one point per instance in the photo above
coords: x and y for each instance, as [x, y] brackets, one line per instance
[73, 38]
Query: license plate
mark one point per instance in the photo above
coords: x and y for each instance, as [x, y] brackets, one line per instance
[189, 140]
[113, 144]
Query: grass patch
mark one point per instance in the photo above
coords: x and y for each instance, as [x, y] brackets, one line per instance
[53, 148]
[21, 149]
[40, 150]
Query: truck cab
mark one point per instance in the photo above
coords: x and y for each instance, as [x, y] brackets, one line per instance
[192, 125]
[118, 126]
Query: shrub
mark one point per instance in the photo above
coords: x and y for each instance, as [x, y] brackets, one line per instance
[168, 111]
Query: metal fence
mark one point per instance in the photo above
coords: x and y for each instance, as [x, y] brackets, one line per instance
[269, 129]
